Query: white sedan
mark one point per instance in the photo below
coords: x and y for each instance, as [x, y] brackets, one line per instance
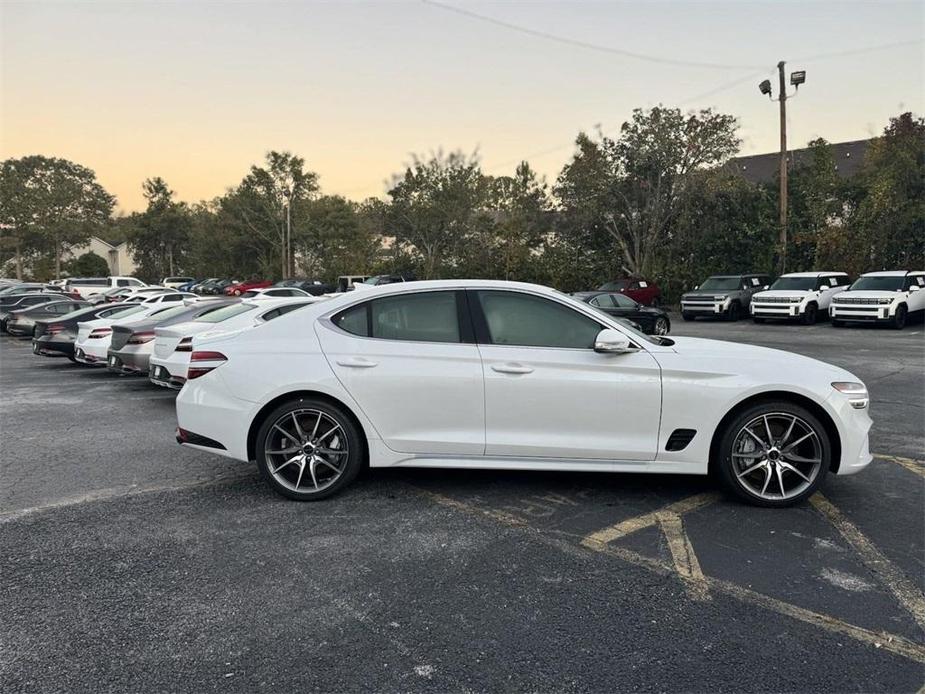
[173, 345]
[501, 375]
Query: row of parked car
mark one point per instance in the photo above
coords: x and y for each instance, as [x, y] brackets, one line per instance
[891, 297]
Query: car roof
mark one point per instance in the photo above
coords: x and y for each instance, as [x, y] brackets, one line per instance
[812, 274]
[893, 273]
[744, 274]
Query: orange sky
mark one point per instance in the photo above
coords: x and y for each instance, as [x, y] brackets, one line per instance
[196, 92]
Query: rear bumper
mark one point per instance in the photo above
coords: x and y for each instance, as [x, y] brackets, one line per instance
[129, 360]
[52, 348]
[20, 329]
[169, 372]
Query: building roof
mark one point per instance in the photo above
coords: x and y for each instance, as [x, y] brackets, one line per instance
[763, 168]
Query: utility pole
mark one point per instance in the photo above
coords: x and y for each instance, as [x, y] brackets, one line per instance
[796, 79]
[782, 98]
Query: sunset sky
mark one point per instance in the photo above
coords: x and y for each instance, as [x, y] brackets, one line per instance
[196, 92]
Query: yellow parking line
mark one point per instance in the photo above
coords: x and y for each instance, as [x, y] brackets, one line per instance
[682, 552]
[908, 595]
[598, 542]
[632, 525]
[911, 464]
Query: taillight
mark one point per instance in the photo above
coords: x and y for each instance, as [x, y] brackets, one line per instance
[97, 333]
[141, 337]
[54, 328]
[186, 345]
[203, 362]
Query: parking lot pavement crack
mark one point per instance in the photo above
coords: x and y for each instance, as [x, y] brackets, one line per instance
[889, 575]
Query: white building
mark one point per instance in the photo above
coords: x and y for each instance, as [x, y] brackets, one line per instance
[118, 257]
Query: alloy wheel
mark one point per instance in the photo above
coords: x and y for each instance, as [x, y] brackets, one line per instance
[306, 450]
[777, 456]
[661, 326]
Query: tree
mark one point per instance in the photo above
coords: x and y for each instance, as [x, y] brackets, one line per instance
[262, 200]
[159, 236]
[434, 206]
[88, 265]
[632, 187]
[332, 240]
[891, 215]
[49, 203]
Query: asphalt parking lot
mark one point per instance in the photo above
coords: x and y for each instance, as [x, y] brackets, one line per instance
[130, 563]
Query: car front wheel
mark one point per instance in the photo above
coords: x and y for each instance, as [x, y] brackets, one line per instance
[809, 315]
[661, 326]
[308, 449]
[732, 314]
[774, 454]
[898, 322]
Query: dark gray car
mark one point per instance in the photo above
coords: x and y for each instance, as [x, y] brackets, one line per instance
[723, 296]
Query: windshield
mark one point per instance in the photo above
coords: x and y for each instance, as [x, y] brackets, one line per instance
[615, 286]
[881, 283]
[171, 312]
[797, 283]
[721, 283]
[224, 313]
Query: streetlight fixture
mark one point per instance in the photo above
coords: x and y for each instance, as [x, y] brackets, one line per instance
[796, 79]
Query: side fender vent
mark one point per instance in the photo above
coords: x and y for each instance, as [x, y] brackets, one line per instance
[679, 439]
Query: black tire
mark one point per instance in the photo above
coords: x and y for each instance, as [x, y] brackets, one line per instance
[355, 447]
[898, 321]
[663, 324]
[756, 319]
[687, 316]
[733, 312]
[726, 467]
[810, 315]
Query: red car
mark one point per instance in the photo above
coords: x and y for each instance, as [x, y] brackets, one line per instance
[639, 290]
[245, 286]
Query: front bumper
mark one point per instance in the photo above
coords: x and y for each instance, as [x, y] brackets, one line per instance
[776, 310]
[704, 308]
[865, 313]
[853, 431]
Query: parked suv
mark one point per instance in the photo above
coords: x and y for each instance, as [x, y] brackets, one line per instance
[85, 287]
[723, 296]
[639, 290]
[799, 295]
[881, 297]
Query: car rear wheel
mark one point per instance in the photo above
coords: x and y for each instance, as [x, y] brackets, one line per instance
[774, 454]
[898, 322]
[308, 449]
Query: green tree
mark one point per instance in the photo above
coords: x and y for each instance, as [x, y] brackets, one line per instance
[160, 235]
[260, 203]
[890, 216]
[434, 208]
[88, 265]
[331, 238]
[632, 188]
[48, 204]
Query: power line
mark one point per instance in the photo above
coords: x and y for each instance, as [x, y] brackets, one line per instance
[584, 44]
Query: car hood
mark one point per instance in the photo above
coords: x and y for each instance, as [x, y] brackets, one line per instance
[782, 293]
[707, 295]
[869, 294]
[736, 356]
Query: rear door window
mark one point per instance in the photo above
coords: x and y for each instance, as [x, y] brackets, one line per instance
[423, 317]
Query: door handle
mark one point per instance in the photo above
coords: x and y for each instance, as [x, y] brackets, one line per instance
[357, 362]
[510, 368]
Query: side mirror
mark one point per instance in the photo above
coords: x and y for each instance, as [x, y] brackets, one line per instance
[767, 286]
[823, 287]
[610, 341]
[914, 288]
[696, 286]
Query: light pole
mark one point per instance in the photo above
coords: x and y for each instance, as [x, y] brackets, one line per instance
[287, 241]
[796, 79]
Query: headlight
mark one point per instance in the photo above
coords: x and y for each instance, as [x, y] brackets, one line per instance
[856, 392]
[884, 301]
[720, 298]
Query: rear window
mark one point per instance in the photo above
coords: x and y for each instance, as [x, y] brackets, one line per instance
[218, 315]
[163, 314]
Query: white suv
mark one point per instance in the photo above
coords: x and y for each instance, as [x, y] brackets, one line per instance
[884, 297]
[799, 295]
[85, 287]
